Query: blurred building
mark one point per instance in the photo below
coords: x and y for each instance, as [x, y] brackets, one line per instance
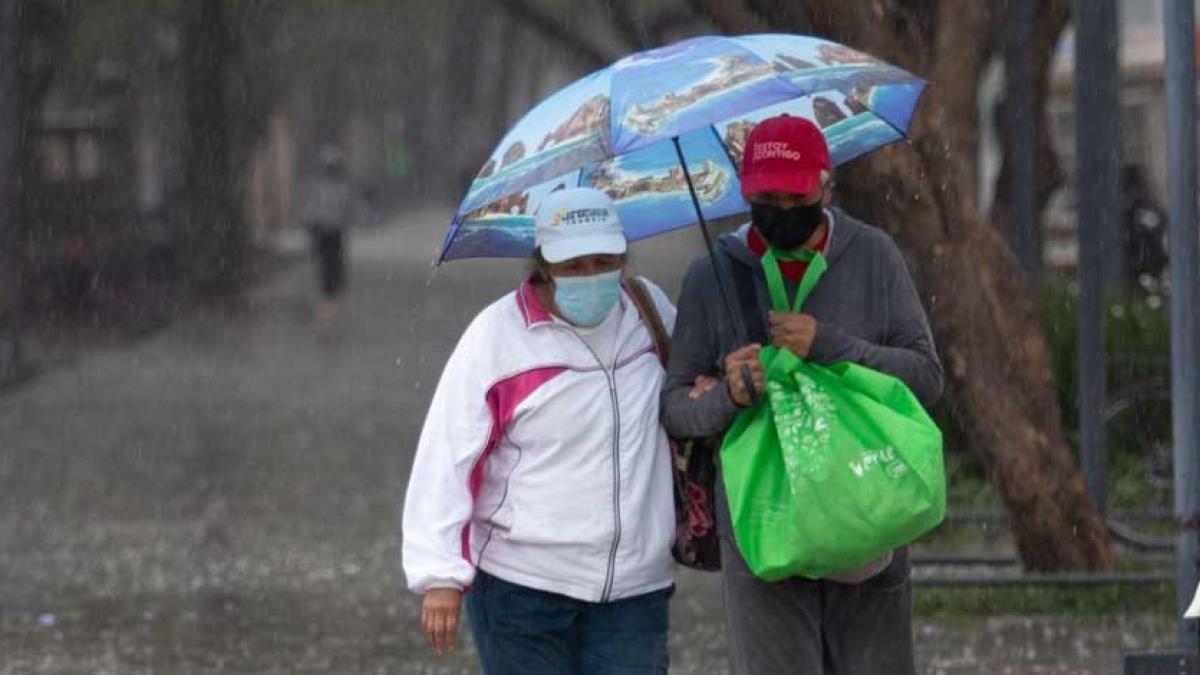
[80, 206]
[1143, 121]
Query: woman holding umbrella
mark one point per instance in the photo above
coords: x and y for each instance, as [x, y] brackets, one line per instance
[541, 487]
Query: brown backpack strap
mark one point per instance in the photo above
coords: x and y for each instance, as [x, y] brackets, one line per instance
[649, 311]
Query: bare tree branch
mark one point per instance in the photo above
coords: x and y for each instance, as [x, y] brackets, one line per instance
[1051, 20]
[675, 18]
[782, 15]
[731, 18]
[10, 184]
[621, 15]
[556, 31]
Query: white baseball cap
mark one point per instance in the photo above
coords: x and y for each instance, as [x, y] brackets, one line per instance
[575, 222]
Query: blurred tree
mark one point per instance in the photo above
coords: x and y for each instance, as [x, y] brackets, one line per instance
[10, 111]
[983, 308]
[205, 77]
[1034, 43]
[199, 87]
[503, 91]
[32, 45]
[999, 379]
[390, 64]
[211, 235]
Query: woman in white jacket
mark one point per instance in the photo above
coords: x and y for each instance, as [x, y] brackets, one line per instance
[541, 486]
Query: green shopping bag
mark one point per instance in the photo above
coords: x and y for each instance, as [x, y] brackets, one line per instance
[836, 466]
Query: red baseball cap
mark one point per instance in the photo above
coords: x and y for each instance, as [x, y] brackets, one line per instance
[784, 154]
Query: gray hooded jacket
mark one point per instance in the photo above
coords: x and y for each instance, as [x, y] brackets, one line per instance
[867, 312]
[866, 307]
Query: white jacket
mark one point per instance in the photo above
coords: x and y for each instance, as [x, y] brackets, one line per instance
[538, 465]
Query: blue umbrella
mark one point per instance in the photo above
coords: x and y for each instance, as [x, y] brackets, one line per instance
[662, 132]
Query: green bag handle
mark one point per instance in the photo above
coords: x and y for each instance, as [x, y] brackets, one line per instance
[770, 264]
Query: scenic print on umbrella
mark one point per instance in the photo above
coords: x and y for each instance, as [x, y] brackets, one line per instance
[563, 133]
[673, 90]
[648, 184]
[613, 130]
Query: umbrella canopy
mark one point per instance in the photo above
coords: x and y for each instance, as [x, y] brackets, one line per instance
[631, 130]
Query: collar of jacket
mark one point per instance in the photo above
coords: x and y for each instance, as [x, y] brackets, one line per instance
[532, 310]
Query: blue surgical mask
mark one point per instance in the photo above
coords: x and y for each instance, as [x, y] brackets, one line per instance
[585, 301]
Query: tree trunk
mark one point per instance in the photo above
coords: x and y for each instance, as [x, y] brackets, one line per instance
[555, 32]
[252, 94]
[10, 197]
[729, 17]
[33, 42]
[1052, 18]
[981, 306]
[982, 309]
[211, 237]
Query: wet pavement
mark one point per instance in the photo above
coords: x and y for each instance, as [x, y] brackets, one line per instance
[223, 496]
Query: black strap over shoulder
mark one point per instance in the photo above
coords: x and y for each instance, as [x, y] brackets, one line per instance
[651, 317]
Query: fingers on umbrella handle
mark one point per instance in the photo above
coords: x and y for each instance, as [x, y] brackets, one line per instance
[748, 383]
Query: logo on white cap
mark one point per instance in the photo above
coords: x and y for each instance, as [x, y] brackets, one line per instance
[578, 221]
[566, 218]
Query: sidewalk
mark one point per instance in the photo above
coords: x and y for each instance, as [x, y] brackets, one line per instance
[223, 496]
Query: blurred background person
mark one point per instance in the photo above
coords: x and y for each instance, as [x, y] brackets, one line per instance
[1144, 226]
[329, 205]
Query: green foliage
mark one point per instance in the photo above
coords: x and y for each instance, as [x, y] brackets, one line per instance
[1138, 373]
[1095, 601]
[1137, 338]
[1139, 426]
[966, 484]
[115, 31]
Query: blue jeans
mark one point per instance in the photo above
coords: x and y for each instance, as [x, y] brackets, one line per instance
[520, 630]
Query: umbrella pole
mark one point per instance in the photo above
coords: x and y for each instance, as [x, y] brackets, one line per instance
[712, 258]
[708, 243]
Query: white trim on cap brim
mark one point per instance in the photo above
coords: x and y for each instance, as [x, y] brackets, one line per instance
[595, 244]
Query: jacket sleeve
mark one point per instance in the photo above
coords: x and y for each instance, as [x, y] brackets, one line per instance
[908, 352]
[695, 351]
[438, 504]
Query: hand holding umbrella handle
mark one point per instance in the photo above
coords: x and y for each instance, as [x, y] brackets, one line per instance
[748, 383]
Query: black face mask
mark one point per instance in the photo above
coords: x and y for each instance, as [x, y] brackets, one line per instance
[786, 228]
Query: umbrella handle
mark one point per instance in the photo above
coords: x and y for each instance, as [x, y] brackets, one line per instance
[748, 383]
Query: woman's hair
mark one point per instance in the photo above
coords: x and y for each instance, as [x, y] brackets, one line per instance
[539, 268]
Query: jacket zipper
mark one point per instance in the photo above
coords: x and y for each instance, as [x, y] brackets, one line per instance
[610, 377]
[612, 554]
